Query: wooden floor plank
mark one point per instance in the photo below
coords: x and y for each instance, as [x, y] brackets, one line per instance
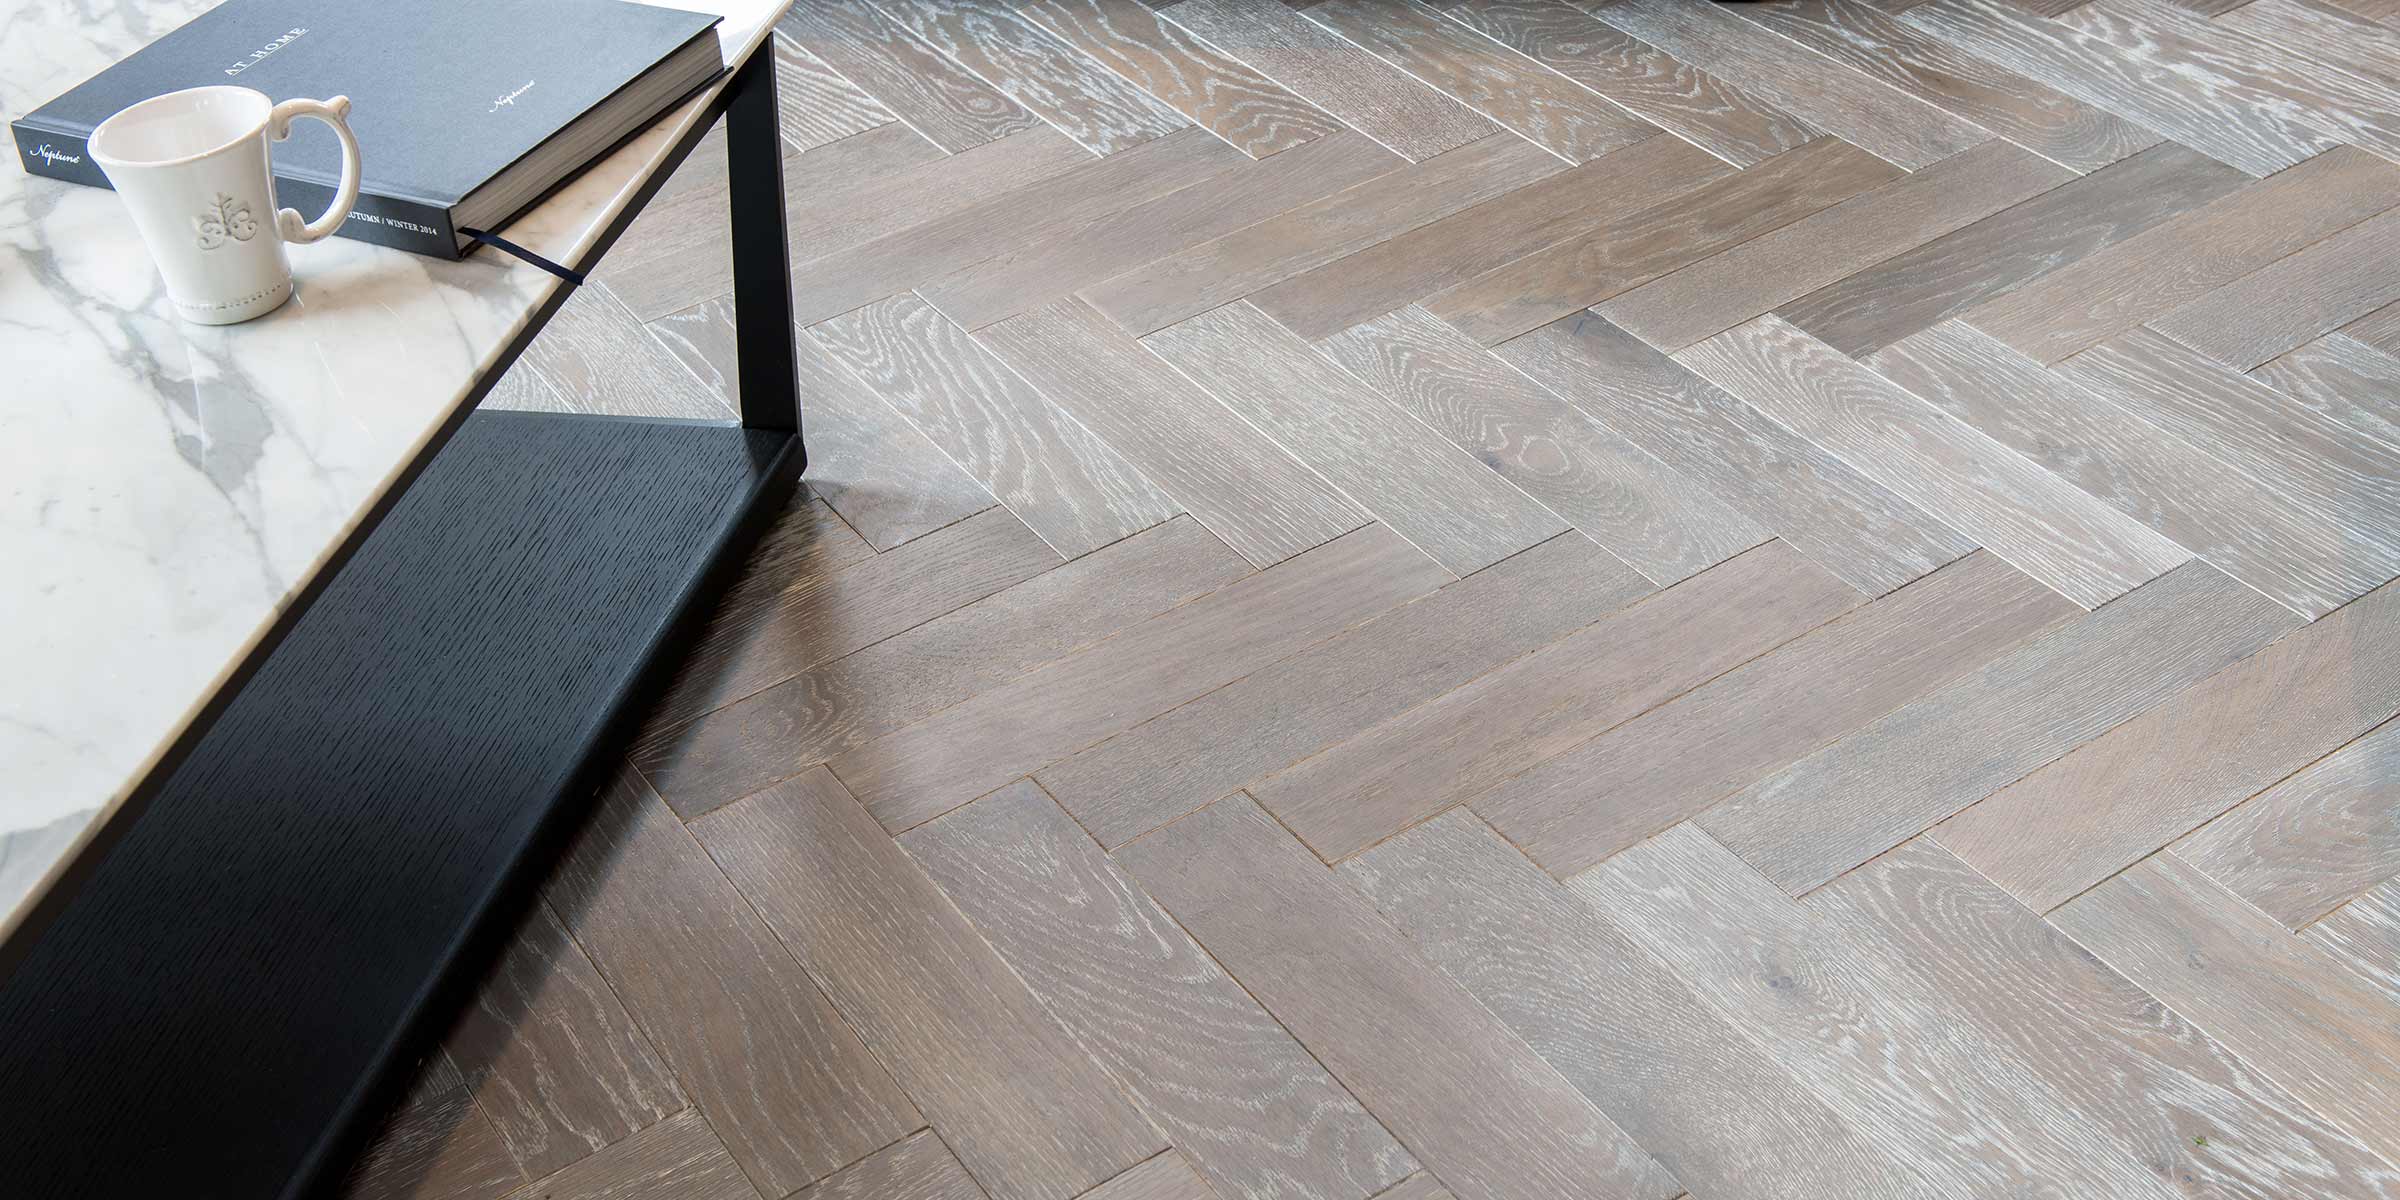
[918, 1167]
[1011, 731]
[1035, 68]
[434, 1144]
[2087, 551]
[2364, 935]
[1673, 762]
[1417, 1187]
[1654, 85]
[1166, 1177]
[1455, 747]
[2294, 300]
[1504, 301]
[1160, 293]
[679, 1158]
[2379, 329]
[1243, 486]
[2179, 487]
[1012, 1093]
[2323, 33]
[2343, 378]
[1734, 285]
[1883, 1052]
[1509, 89]
[1414, 120]
[2149, 781]
[1062, 481]
[1228, 1085]
[1868, 537]
[1464, 515]
[1476, 1104]
[1253, 113]
[815, 106]
[894, 683]
[780, 1077]
[828, 215]
[1673, 1071]
[2306, 846]
[2275, 999]
[1281, 714]
[935, 96]
[2196, 1114]
[596, 359]
[1877, 788]
[1923, 287]
[2152, 272]
[1614, 492]
[1832, 96]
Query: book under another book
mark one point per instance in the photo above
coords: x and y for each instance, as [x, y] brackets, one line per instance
[467, 112]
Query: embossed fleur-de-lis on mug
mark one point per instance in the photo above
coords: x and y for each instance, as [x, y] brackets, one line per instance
[225, 218]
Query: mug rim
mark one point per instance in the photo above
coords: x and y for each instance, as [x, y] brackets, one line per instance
[266, 107]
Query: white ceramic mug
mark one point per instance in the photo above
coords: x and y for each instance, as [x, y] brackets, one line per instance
[192, 167]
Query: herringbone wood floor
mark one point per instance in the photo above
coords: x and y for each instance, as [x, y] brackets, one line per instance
[1509, 600]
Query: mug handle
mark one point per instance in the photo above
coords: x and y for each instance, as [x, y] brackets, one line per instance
[333, 112]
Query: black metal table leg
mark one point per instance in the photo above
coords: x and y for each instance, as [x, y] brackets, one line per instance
[762, 265]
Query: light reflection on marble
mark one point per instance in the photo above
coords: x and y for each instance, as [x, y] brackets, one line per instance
[169, 487]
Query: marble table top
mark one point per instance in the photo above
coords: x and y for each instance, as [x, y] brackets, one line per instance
[166, 488]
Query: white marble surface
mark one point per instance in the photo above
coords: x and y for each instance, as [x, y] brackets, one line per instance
[169, 487]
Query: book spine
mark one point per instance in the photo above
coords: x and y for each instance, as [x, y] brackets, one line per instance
[57, 155]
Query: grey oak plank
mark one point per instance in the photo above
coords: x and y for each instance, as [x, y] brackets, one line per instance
[1923, 287]
[1414, 120]
[1736, 284]
[1832, 96]
[2324, 33]
[1055, 475]
[2089, 552]
[2195, 1113]
[1452, 507]
[1036, 68]
[1671, 763]
[2058, 127]
[1679, 1076]
[434, 1144]
[1654, 85]
[861, 198]
[933, 95]
[1866, 536]
[1690, 225]
[1276, 716]
[2294, 300]
[1251, 112]
[1417, 1187]
[2382, 12]
[1160, 293]
[918, 1167]
[780, 1077]
[1012, 1093]
[1229, 1086]
[2311, 843]
[1468, 1098]
[2346, 379]
[1389, 274]
[885, 478]
[550, 1055]
[2180, 488]
[2379, 329]
[596, 358]
[844, 702]
[2277, 1000]
[2364, 935]
[1030, 276]
[814, 105]
[1167, 1177]
[920, 772]
[1243, 486]
[2121, 796]
[1509, 89]
[1611, 490]
[678, 1158]
[1924, 761]
[1881, 1050]
[1464, 742]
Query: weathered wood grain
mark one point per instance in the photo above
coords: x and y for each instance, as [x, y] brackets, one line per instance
[1281, 714]
[1012, 1093]
[1866, 536]
[814, 105]
[1734, 285]
[781, 1079]
[1925, 761]
[1166, 1177]
[2364, 935]
[679, 1158]
[434, 1144]
[918, 1167]
[927, 769]
[1242, 485]
[1476, 1104]
[1673, 762]
[1668, 1067]
[2277, 1000]
[595, 358]
[935, 96]
[862, 196]
[1035, 68]
[1228, 1085]
[1062, 481]
[2324, 33]
[2379, 329]
[1413, 765]
[2307, 845]
[2346, 379]
[1251, 112]
[2293, 300]
[1465, 516]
